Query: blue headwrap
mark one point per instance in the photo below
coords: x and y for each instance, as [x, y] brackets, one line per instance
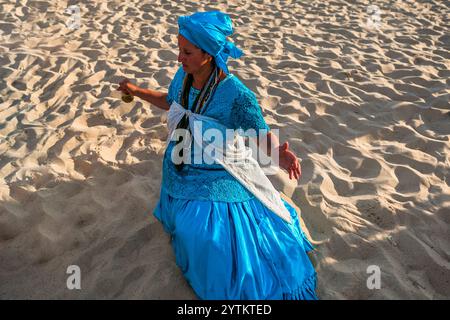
[208, 31]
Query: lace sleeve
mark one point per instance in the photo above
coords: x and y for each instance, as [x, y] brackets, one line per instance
[246, 112]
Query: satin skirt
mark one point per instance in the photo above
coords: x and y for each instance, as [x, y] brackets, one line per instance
[238, 250]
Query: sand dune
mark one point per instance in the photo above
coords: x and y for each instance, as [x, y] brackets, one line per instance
[366, 108]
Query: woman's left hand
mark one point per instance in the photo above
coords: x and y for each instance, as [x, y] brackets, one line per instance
[289, 161]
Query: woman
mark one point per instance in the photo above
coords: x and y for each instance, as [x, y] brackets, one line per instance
[228, 244]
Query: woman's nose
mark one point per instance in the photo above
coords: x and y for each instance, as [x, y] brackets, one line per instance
[180, 57]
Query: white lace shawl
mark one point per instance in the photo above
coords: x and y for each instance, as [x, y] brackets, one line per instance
[242, 166]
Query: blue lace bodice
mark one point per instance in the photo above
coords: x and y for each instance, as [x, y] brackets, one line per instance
[233, 105]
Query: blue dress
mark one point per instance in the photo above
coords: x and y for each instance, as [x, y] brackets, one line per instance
[226, 242]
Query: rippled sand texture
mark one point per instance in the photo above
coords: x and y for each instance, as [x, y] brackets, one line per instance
[364, 106]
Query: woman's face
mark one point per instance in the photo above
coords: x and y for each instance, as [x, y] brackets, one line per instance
[192, 57]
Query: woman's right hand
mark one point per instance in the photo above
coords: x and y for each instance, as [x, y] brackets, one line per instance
[126, 87]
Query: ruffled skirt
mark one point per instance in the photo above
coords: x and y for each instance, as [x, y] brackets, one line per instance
[238, 250]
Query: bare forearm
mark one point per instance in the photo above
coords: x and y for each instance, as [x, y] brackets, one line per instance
[156, 98]
[268, 143]
[281, 154]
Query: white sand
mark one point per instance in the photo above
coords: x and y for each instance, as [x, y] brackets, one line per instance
[365, 109]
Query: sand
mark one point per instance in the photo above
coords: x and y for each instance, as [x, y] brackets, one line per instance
[362, 98]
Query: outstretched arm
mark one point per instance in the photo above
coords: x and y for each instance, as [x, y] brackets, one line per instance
[154, 97]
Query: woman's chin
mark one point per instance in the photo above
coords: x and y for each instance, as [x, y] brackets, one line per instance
[187, 70]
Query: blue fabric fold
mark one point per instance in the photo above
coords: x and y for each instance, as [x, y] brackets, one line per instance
[209, 31]
[238, 250]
